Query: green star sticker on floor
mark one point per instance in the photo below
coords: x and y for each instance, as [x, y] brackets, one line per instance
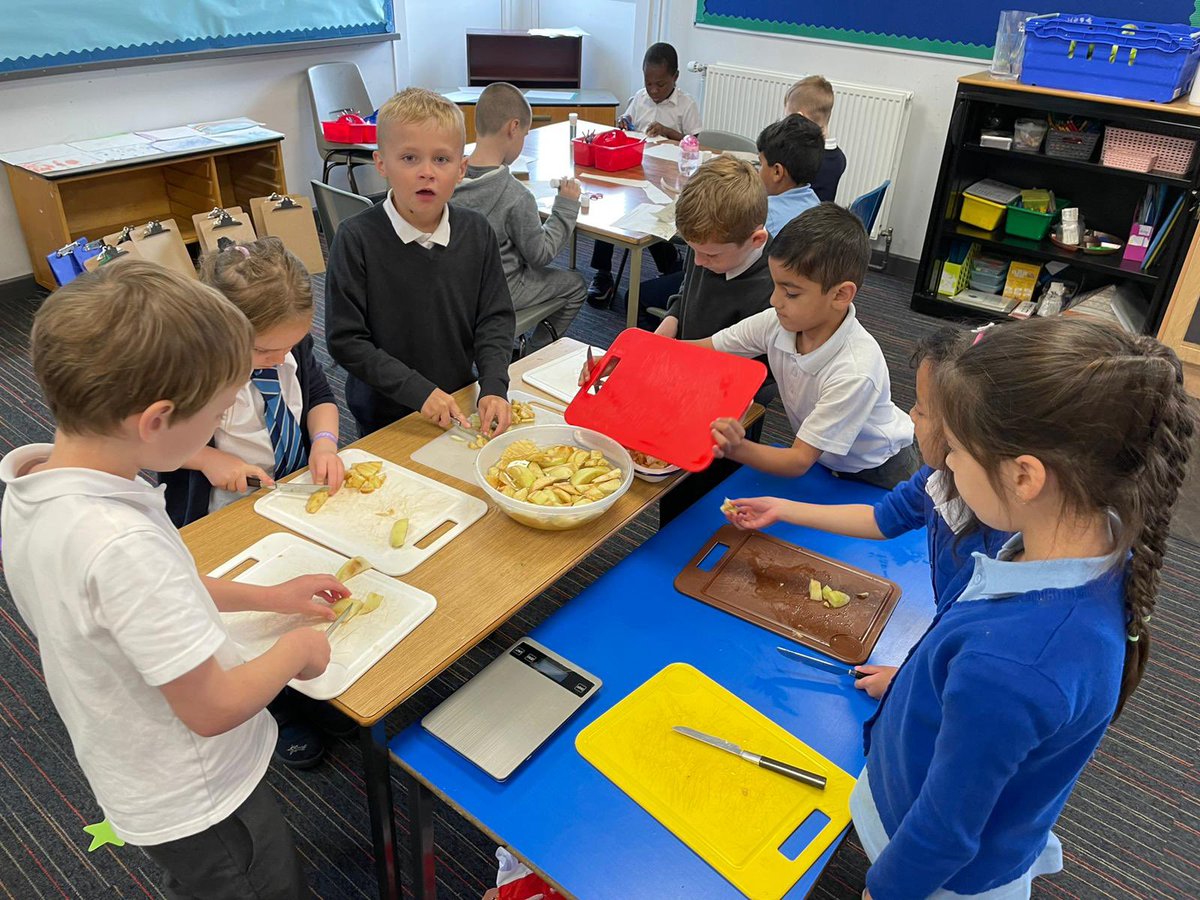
[102, 834]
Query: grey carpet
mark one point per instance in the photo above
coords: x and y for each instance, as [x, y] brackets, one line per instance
[1131, 829]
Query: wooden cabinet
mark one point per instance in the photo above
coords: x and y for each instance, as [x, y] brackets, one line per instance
[548, 115]
[56, 210]
[1181, 323]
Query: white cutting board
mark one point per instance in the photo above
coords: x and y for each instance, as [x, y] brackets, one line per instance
[357, 645]
[560, 377]
[455, 458]
[348, 522]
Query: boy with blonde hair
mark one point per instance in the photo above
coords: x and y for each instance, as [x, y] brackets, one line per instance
[812, 97]
[720, 214]
[527, 245]
[833, 379]
[415, 295]
[167, 721]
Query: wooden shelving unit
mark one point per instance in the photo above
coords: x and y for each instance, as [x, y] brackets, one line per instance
[58, 208]
[1106, 196]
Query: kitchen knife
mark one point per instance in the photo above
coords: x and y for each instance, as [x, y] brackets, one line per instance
[765, 762]
[821, 664]
[288, 487]
[346, 614]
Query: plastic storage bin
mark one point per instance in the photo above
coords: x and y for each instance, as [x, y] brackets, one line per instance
[349, 129]
[1028, 134]
[1112, 57]
[956, 270]
[1031, 224]
[1078, 145]
[615, 150]
[1127, 149]
[583, 152]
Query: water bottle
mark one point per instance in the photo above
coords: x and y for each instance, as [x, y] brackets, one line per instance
[689, 155]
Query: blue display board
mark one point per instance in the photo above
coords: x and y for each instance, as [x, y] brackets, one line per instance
[951, 27]
[48, 33]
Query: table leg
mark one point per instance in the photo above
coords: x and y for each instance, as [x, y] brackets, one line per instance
[420, 838]
[635, 286]
[378, 784]
[692, 488]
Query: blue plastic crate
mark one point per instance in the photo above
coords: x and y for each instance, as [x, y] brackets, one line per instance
[1133, 60]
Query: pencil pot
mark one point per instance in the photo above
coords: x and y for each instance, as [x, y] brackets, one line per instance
[615, 150]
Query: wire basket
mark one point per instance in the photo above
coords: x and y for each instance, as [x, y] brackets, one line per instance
[1071, 144]
[1171, 155]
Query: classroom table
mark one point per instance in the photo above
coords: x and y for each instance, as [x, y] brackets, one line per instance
[564, 818]
[477, 579]
[549, 147]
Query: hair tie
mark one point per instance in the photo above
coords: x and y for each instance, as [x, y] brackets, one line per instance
[245, 250]
[1133, 638]
[981, 331]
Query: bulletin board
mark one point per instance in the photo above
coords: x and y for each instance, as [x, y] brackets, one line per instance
[948, 27]
[56, 33]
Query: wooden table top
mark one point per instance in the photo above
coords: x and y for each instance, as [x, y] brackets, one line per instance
[550, 148]
[480, 579]
[1179, 107]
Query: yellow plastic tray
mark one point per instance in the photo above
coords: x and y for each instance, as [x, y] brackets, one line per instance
[735, 815]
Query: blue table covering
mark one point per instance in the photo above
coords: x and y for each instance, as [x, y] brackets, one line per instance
[572, 823]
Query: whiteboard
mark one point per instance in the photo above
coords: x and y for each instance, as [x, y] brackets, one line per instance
[54, 33]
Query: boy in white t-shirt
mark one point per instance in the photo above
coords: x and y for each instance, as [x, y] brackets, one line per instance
[166, 719]
[833, 379]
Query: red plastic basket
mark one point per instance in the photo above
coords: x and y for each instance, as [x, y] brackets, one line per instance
[615, 150]
[583, 152]
[349, 129]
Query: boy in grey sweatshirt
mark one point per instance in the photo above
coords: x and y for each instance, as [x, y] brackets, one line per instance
[527, 245]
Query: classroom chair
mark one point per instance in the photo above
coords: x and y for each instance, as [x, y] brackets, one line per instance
[333, 87]
[334, 206]
[726, 140]
[867, 208]
[531, 317]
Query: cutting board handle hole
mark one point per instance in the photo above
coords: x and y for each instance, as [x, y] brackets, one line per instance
[602, 379]
[715, 554]
[237, 570]
[806, 832]
[436, 534]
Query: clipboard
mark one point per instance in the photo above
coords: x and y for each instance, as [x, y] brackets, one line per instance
[291, 220]
[230, 223]
[85, 251]
[64, 263]
[110, 253]
[160, 241]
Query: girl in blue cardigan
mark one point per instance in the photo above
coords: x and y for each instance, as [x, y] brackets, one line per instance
[1075, 437]
[927, 500]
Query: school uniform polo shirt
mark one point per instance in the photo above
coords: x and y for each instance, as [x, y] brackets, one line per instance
[838, 397]
[678, 112]
[782, 208]
[106, 585]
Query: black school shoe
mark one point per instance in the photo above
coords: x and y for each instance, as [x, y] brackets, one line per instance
[601, 290]
[300, 745]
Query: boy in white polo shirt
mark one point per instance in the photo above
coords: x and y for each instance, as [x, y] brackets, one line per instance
[833, 379]
[167, 721]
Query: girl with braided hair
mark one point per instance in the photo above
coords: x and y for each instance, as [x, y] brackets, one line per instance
[1075, 437]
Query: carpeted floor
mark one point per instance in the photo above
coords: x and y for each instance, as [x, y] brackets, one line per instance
[1131, 829]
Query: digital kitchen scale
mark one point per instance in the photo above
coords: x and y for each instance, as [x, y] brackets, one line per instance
[502, 715]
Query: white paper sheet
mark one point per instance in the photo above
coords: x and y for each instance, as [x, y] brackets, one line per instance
[670, 152]
[188, 142]
[132, 151]
[246, 136]
[550, 96]
[471, 91]
[169, 134]
[650, 218]
[34, 154]
[224, 126]
[112, 142]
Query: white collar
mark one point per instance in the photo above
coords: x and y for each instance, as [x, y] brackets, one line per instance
[816, 359]
[755, 256]
[408, 233]
[49, 484]
[672, 98]
[830, 143]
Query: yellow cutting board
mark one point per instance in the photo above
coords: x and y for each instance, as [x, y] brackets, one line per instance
[734, 814]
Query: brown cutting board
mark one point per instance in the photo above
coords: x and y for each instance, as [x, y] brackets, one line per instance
[765, 581]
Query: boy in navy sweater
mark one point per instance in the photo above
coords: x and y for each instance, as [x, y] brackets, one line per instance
[812, 97]
[415, 292]
[1075, 437]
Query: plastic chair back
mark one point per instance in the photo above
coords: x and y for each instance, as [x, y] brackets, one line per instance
[335, 206]
[332, 87]
[868, 205]
[726, 140]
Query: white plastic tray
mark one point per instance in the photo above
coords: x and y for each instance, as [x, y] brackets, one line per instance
[560, 377]
[455, 458]
[353, 523]
[357, 645]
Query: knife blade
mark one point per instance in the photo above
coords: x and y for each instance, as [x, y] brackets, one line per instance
[821, 664]
[763, 762]
[345, 615]
[288, 487]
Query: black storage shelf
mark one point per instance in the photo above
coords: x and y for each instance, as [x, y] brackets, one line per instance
[1101, 192]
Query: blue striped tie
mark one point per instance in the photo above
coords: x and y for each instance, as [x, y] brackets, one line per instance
[281, 424]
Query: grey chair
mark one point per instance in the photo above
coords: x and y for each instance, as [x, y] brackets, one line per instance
[726, 140]
[333, 87]
[335, 206]
[531, 317]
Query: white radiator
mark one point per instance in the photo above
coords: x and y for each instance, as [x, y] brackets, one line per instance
[869, 123]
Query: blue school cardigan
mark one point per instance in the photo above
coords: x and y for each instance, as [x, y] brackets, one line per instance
[908, 506]
[988, 724]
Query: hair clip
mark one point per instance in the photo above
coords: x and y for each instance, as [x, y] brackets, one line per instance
[980, 331]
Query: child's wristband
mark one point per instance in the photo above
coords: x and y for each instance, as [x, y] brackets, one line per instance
[325, 434]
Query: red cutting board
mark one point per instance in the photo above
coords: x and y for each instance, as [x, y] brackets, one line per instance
[663, 395]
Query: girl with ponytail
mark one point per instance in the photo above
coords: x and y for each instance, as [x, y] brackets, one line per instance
[1075, 437]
